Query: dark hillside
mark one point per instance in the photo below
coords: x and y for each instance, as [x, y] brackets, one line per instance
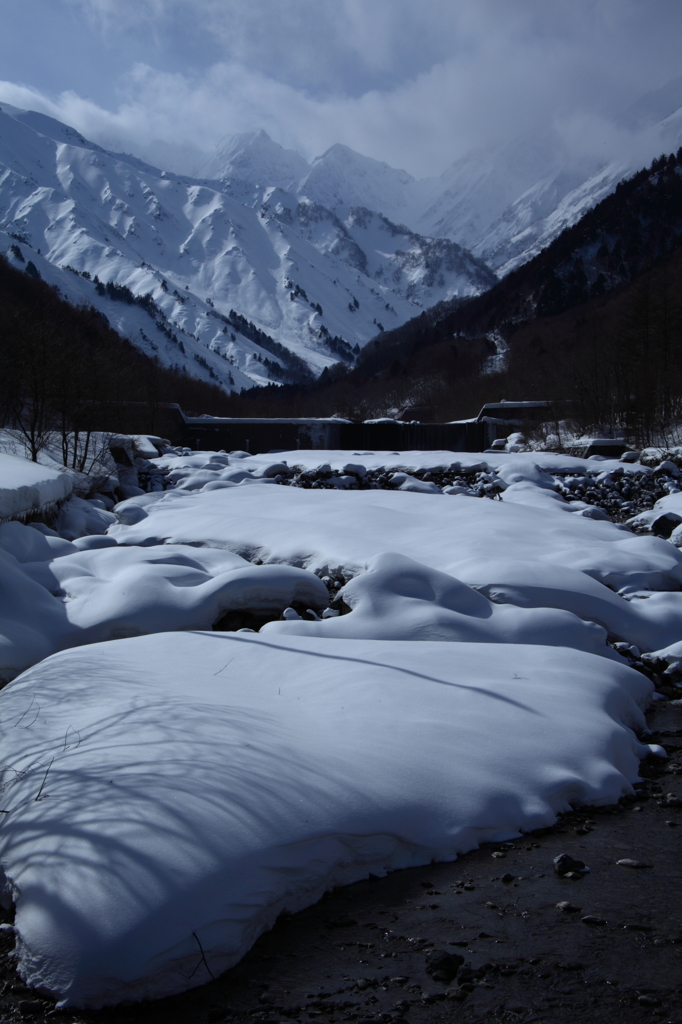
[63, 367]
[622, 236]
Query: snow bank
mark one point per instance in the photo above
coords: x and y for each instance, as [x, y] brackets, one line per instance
[399, 599]
[56, 594]
[27, 488]
[329, 529]
[173, 793]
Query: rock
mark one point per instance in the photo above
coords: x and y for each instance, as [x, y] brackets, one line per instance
[431, 997]
[507, 879]
[466, 975]
[664, 525]
[628, 862]
[568, 908]
[672, 800]
[499, 854]
[31, 1007]
[647, 1000]
[564, 863]
[441, 962]
[592, 920]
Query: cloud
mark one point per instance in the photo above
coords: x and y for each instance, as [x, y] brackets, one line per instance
[415, 85]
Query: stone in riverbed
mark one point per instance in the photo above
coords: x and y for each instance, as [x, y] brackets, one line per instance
[563, 864]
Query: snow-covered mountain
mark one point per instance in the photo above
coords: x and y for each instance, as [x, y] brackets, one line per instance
[255, 158]
[560, 197]
[246, 283]
[505, 203]
[342, 179]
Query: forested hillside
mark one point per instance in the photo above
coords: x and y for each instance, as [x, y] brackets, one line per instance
[63, 367]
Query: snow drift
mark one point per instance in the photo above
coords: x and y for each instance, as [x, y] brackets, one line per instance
[173, 793]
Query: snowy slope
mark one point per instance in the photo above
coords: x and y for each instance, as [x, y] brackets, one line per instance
[423, 270]
[558, 200]
[202, 254]
[254, 157]
[342, 178]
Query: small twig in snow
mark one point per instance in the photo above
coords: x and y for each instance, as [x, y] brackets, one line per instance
[66, 735]
[18, 722]
[42, 784]
[203, 958]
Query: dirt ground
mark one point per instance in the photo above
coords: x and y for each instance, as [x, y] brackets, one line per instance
[368, 952]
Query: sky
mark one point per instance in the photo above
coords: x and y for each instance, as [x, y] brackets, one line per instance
[416, 84]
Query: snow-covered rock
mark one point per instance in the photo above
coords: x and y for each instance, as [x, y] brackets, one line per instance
[399, 599]
[56, 594]
[28, 488]
[174, 793]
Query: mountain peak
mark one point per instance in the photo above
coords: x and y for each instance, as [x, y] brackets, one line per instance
[255, 157]
[342, 178]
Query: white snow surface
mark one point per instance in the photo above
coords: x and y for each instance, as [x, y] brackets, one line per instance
[171, 790]
[199, 784]
[56, 594]
[27, 487]
[318, 529]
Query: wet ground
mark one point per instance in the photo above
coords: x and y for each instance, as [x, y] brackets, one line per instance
[387, 949]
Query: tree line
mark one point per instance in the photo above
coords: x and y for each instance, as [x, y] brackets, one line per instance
[65, 372]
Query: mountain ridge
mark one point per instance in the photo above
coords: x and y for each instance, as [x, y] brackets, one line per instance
[504, 202]
[203, 252]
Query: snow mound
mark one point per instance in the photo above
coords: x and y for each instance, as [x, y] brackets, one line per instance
[168, 796]
[399, 599]
[56, 594]
[27, 488]
[318, 529]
